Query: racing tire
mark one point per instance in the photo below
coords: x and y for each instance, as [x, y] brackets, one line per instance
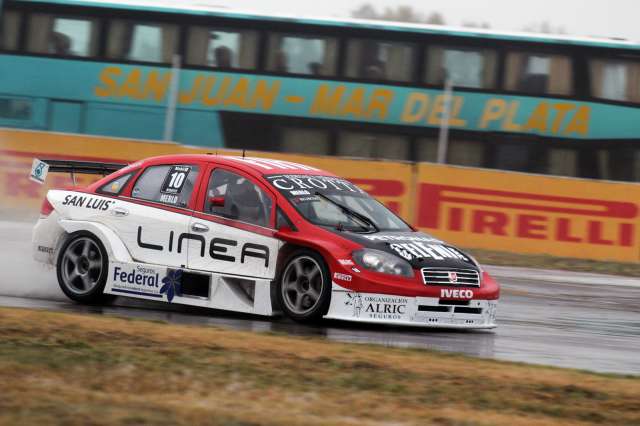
[82, 269]
[304, 286]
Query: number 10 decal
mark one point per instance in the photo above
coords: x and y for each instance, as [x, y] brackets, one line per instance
[175, 179]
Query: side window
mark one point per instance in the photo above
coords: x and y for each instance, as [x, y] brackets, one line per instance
[170, 184]
[115, 186]
[9, 30]
[222, 48]
[380, 60]
[472, 68]
[235, 197]
[615, 80]
[539, 74]
[373, 145]
[62, 35]
[16, 109]
[296, 54]
[138, 41]
[302, 140]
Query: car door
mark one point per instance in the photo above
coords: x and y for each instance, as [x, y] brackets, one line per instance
[235, 220]
[153, 221]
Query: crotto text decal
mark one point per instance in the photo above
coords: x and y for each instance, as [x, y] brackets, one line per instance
[87, 202]
[218, 248]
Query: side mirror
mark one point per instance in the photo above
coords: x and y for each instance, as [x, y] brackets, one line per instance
[216, 201]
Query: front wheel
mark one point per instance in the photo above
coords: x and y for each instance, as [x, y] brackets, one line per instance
[304, 287]
[82, 269]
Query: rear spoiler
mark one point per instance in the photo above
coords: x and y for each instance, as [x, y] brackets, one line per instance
[40, 168]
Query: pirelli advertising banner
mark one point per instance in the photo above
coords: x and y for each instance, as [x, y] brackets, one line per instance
[529, 214]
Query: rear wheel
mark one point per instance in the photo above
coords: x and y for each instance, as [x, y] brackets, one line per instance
[304, 287]
[82, 269]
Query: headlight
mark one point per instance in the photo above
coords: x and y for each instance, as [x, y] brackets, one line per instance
[380, 261]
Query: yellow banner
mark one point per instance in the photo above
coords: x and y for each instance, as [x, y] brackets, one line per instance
[469, 207]
[529, 214]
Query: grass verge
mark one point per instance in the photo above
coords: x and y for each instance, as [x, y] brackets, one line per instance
[79, 369]
[499, 258]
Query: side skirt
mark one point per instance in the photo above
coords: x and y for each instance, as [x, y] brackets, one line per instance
[189, 287]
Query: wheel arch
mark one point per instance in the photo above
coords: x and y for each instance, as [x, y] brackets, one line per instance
[115, 247]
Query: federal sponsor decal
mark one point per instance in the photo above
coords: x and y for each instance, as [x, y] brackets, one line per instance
[345, 262]
[88, 202]
[342, 277]
[420, 250]
[377, 307]
[139, 278]
[448, 293]
[145, 281]
[551, 218]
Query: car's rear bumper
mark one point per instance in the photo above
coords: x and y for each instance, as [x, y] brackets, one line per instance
[429, 312]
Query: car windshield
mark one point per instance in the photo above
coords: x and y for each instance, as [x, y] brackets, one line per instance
[338, 203]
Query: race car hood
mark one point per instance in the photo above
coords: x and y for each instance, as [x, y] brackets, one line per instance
[419, 249]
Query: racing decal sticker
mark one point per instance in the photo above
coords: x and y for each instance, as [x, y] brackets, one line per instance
[377, 307]
[218, 248]
[138, 280]
[342, 277]
[39, 170]
[402, 238]
[88, 202]
[144, 280]
[448, 293]
[47, 250]
[175, 180]
[291, 185]
[418, 250]
[346, 262]
[172, 284]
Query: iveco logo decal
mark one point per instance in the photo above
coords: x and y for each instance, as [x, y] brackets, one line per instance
[453, 277]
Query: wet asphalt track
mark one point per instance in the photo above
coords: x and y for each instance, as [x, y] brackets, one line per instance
[561, 319]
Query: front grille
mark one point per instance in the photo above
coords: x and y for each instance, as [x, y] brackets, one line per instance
[451, 277]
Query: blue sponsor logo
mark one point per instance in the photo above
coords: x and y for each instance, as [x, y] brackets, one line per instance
[140, 276]
[172, 284]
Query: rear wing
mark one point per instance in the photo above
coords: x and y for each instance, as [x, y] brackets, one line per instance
[40, 168]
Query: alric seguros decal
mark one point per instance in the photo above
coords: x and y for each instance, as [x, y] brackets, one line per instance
[377, 307]
[87, 202]
[219, 248]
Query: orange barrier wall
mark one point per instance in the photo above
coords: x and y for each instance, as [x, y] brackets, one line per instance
[473, 208]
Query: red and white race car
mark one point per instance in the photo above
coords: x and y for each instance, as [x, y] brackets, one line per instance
[253, 235]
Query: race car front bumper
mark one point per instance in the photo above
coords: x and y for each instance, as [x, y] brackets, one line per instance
[347, 305]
